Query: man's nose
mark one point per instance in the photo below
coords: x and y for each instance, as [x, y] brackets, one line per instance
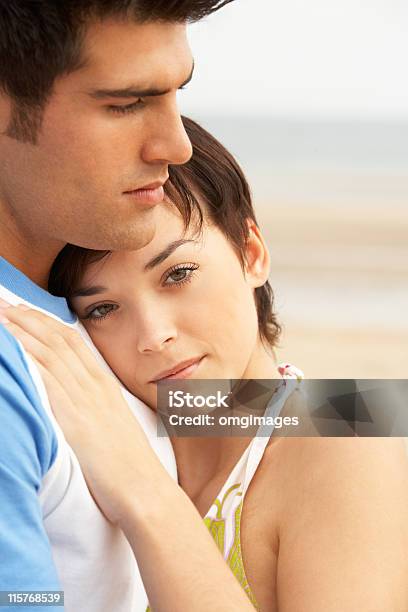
[167, 142]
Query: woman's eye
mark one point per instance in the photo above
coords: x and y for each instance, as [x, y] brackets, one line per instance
[128, 108]
[100, 312]
[180, 275]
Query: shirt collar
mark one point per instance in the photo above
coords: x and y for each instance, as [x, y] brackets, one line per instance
[19, 284]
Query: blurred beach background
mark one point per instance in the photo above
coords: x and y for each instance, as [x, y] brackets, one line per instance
[312, 100]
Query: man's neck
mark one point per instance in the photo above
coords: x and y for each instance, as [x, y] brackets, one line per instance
[32, 256]
[37, 273]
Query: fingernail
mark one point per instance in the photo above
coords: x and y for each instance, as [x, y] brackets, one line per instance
[4, 304]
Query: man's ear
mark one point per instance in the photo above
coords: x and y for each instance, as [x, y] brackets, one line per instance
[257, 260]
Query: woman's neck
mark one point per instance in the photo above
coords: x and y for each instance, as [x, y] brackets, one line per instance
[204, 463]
[262, 363]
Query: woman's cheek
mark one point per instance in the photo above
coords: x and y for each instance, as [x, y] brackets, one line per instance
[115, 349]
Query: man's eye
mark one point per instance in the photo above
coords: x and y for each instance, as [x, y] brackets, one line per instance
[128, 108]
[100, 312]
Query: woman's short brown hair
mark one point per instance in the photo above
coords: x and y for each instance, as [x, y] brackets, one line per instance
[216, 178]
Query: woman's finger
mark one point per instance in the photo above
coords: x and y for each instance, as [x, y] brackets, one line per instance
[62, 339]
[87, 392]
[72, 379]
[65, 410]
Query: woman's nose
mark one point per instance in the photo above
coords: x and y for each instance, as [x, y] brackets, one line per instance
[154, 337]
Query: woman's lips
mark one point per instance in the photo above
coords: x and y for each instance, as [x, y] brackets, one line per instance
[147, 195]
[183, 370]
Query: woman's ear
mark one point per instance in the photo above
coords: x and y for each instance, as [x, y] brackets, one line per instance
[257, 260]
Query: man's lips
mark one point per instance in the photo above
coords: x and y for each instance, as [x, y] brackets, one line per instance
[148, 194]
[181, 370]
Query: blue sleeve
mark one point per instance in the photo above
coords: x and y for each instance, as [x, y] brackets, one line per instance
[28, 447]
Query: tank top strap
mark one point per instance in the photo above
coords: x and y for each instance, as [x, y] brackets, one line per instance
[236, 476]
[223, 519]
[256, 449]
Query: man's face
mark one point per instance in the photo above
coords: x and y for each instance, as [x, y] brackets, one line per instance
[94, 176]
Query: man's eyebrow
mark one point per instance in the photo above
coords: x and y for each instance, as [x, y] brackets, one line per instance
[165, 253]
[88, 291]
[134, 91]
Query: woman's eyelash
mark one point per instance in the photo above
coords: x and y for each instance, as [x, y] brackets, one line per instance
[91, 314]
[184, 271]
[128, 108]
[188, 269]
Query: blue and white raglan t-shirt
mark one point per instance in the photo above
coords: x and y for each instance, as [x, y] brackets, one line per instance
[52, 534]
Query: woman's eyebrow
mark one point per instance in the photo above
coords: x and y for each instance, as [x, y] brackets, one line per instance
[165, 253]
[88, 291]
[152, 263]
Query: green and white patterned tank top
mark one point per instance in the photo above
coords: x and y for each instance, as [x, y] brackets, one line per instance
[224, 517]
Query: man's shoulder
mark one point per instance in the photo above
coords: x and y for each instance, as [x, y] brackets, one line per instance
[7, 341]
[14, 369]
[24, 424]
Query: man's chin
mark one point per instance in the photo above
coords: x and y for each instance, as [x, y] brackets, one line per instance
[130, 239]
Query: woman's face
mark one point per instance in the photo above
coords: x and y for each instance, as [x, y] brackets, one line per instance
[181, 307]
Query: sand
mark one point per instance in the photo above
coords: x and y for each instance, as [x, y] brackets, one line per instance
[340, 275]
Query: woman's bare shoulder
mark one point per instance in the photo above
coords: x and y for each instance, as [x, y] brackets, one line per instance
[308, 470]
[338, 503]
[299, 457]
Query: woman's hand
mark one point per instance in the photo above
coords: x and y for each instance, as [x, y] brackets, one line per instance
[168, 537]
[88, 405]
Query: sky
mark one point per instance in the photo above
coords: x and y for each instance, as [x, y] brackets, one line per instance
[301, 58]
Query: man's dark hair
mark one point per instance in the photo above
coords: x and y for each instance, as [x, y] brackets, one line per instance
[42, 39]
[214, 176]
